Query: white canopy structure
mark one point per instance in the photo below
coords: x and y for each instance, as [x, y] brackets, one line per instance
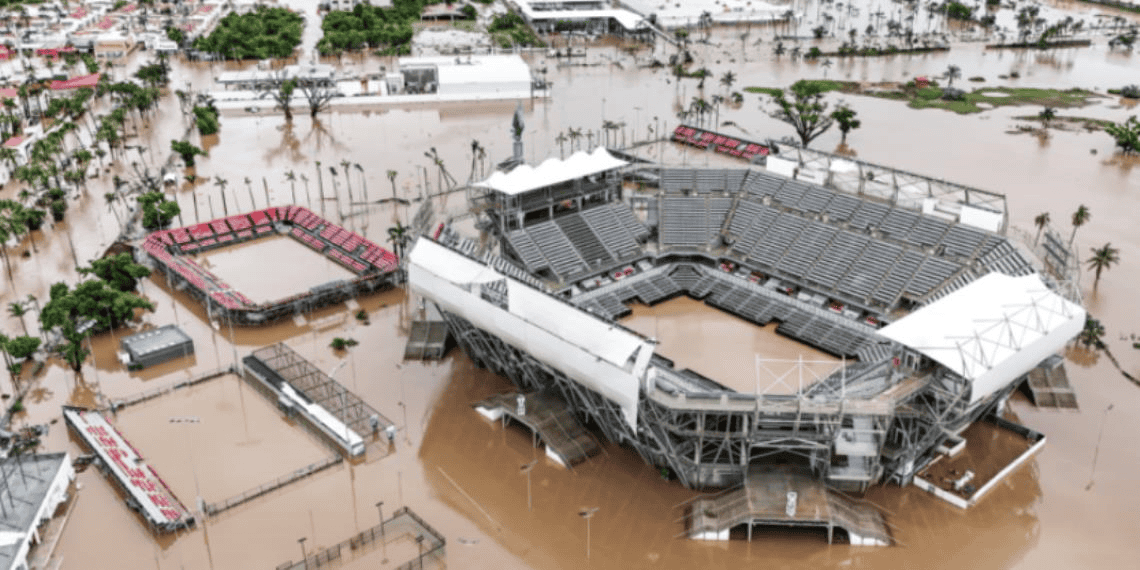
[552, 171]
[603, 357]
[991, 331]
[475, 74]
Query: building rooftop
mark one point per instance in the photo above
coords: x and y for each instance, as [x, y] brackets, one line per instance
[24, 484]
[154, 340]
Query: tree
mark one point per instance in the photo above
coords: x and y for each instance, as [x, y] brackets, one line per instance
[806, 112]
[1092, 336]
[119, 271]
[94, 300]
[398, 235]
[1103, 258]
[952, 72]
[18, 309]
[157, 210]
[280, 88]
[187, 151]
[845, 116]
[1047, 115]
[392, 180]
[12, 223]
[1040, 221]
[727, 80]
[1080, 218]
[1126, 133]
[317, 94]
[73, 351]
[22, 347]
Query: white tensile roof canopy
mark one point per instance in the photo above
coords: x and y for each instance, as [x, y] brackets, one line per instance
[552, 171]
[991, 331]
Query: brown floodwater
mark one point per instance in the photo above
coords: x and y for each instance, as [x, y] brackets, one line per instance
[728, 349]
[460, 472]
[272, 268]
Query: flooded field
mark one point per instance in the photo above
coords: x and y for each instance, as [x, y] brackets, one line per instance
[728, 349]
[272, 268]
[460, 472]
[218, 439]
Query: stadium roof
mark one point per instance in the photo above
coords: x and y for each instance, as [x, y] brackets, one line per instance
[552, 171]
[991, 331]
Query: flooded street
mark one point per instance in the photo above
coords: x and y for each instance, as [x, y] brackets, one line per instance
[460, 472]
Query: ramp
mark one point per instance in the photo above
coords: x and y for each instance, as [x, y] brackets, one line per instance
[548, 416]
[429, 336]
[785, 496]
[1049, 386]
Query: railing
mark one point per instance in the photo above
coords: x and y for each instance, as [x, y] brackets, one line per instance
[116, 405]
[404, 521]
[214, 509]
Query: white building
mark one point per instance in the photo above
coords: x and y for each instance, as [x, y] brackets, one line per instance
[31, 488]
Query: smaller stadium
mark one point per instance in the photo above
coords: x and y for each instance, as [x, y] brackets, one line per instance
[367, 267]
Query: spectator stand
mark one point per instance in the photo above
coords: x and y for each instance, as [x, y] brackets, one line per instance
[375, 268]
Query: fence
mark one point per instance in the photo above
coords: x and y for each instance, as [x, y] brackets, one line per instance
[214, 509]
[148, 395]
[404, 522]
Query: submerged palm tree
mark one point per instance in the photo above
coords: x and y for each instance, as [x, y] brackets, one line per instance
[1040, 221]
[1080, 218]
[1103, 258]
[952, 72]
[398, 235]
[561, 140]
[292, 178]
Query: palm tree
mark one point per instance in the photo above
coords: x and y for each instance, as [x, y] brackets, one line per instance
[561, 140]
[1103, 258]
[477, 151]
[727, 80]
[363, 181]
[607, 127]
[1040, 221]
[1093, 333]
[826, 65]
[1080, 218]
[17, 309]
[292, 178]
[392, 180]
[398, 235]
[779, 49]
[11, 224]
[952, 72]
[575, 135]
[344, 165]
[221, 183]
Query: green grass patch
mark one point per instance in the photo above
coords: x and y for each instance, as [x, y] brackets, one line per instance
[1087, 122]
[821, 84]
[931, 98]
[773, 91]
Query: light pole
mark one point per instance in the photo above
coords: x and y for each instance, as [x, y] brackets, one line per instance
[588, 514]
[304, 557]
[1096, 451]
[527, 468]
[380, 507]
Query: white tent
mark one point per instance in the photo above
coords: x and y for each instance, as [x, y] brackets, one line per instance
[552, 171]
[991, 331]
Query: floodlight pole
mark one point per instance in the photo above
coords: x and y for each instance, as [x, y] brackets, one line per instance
[527, 468]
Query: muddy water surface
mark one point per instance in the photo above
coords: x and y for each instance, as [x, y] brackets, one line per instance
[272, 268]
[742, 356]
